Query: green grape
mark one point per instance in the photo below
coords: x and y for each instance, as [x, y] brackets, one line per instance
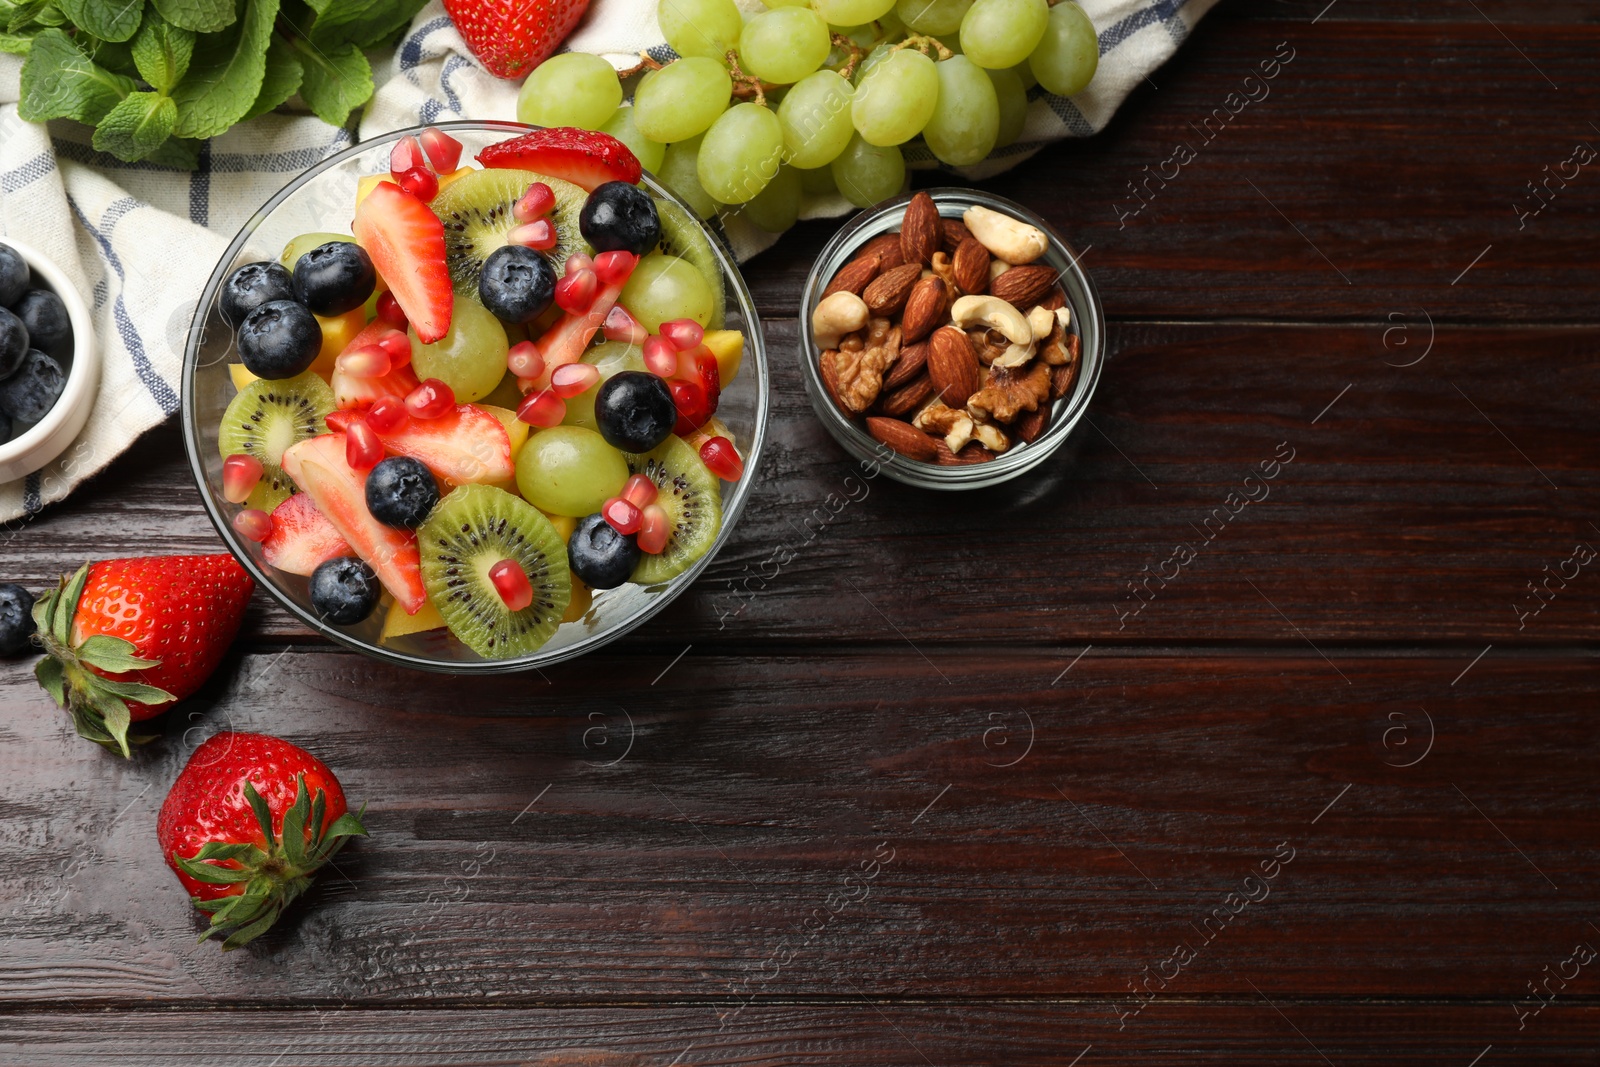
[1013, 101]
[663, 288]
[890, 28]
[1067, 56]
[966, 119]
[815, 118]
[1001, 33]
[866, 173]
[569, 470]
[470, 358]
[777, 207]
[1024, 73]
[851, 12]
[572, 89]
[681, 99]
[896, 98]
[611, 357]
[932, 16]
[707, 28]
[740, 153]
[783, 45]
[817, 181]
[620, 125]
[678, 173]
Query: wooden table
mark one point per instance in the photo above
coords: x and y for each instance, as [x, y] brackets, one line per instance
[945, 789]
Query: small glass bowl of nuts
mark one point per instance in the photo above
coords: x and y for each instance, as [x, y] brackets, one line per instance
[950, 337]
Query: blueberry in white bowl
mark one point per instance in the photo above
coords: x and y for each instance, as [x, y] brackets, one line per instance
[30, 393]
[49, 325]
[14, 275]
[14, 343]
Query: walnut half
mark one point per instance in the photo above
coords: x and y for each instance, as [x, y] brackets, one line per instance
[857, 373]
[1011, 391]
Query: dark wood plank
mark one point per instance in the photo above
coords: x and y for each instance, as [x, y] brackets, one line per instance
[1405, 515]
[979, 824]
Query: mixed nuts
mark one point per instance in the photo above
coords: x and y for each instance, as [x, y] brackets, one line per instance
[947, 338]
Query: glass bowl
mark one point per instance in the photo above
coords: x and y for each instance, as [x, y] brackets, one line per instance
[323, 198]
[1088, 320]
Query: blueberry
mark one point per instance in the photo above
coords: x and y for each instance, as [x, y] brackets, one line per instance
[251, 286]
[14, 275]
[344, 590]
[14, 343]
[49, 327]
[400, 492]
[599, 555]
[517, 284]
[16, 620]
[620, 215]
[29, 394]
[279, 340]
[634, 411]
[334, 278]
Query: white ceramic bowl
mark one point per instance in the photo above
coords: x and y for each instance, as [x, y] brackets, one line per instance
[50, 436]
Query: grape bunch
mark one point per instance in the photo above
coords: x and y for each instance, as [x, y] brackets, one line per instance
[818, 96]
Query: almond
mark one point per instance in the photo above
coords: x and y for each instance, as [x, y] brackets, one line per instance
[886, 246]
[952, 366]
[970, 261]
[854, 275]
[1061, 377]
[1023, 287]
[955, 231]
[913, 358]
[907, 398]
[830, 378]
[928, 306]
[921, 232]
[1031, 425]
[903, 438]
[971, 452]
[888, 291]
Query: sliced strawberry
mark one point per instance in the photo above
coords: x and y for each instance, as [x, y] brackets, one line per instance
[511, 37]
[302, 539]
[318, 467]
[406, 242]
[584, 157]
[467, 445]
[352, 392]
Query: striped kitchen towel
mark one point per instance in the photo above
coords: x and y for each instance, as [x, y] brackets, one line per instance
[139, 240]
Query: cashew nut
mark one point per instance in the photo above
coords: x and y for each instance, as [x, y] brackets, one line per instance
[841, 313]
[993, 312]
[1014, 356]
[1064, 317]
[1041, 322]
[990, 437]
[997, 267]
[1005, 237]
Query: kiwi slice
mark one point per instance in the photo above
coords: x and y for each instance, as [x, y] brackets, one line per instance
[265, 419]
[692, 499]
[472, 529]
[683, 235]
[476, 212]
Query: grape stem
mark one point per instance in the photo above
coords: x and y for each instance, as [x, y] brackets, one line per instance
[646, 62]
[746, 86]
[923, 44]
[856, 52]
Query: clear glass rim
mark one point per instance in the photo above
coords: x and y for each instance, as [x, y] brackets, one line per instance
[1067, 412]
[733, 501]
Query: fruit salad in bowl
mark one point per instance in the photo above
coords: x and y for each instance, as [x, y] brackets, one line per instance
[476, 397]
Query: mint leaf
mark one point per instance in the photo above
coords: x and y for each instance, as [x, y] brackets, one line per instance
[336, 82]
[109, 20]
[132, 130]
[201, 16]
[282, 79]
[60, 82]
[361, 22]
[162, 52]
[15, 43]
[226, 76]
[15, 14]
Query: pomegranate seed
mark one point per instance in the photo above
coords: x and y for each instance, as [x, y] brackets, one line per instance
[535, 203]
[543, 409]
[240, 473]
[660, 358]
[444, 151]
[614, 267]
[722, 459]
[398, 345]
[388, 414]
[430, 400]
[368, 361]
[511, 582]
[406, 155]
[654, 530]
[573, 378]
[690, 400]
[621, 326]
[578, 261]
[253, 523]
[622, 514]
[389, 311]
[640, 491]
[539, 235]
[524, 360]
[683, 333]
[362, 449]
[575, 292]
[420, 182]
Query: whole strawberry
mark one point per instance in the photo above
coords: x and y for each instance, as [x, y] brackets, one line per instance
[511, 37]
[125, 638]
[247, 823]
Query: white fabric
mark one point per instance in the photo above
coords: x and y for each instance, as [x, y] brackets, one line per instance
[139, 240]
